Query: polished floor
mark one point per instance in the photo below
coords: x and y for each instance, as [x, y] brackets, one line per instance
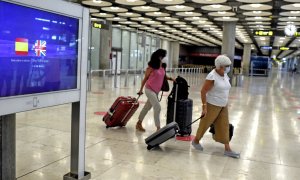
[264, 111]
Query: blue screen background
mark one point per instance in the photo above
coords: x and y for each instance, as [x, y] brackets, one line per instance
[29, 74]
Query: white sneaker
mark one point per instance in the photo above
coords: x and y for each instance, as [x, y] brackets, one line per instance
[232, 154]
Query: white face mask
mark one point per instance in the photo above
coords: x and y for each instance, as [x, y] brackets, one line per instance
[164, 60]
[227, 70]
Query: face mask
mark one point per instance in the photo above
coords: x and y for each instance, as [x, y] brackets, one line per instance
[227, 70]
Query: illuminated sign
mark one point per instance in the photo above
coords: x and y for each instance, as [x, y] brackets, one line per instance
[297, 34]
[264, 33]
[100, 25]
[266, 47]
[284, 48]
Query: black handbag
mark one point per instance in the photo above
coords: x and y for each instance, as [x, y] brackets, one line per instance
[165, 87]
[231, 129]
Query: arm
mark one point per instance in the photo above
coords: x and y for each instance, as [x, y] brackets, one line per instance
[170, 78]
[208, 85]
[146, 77]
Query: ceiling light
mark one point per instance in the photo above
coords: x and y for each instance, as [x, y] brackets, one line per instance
[114, 8]
[129, 13]
[145, 7]
[296, 5]
[281, 41]
[97, 1]
[262, 38]
[258, 22]
[202, 22]
[157, 13]
[216, 6]
[282, 38]
[256, 12]
[225, 17]
[188, 12]
[289, 22]
[131, 0]
[295, 12]
[293, 17]
[196, 18]
[102, 14]
[258, 17]
[140, 18]
[255, 5]
[221, 12]
[179, 6]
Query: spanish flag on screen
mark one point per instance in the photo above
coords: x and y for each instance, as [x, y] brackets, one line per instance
[21, 46]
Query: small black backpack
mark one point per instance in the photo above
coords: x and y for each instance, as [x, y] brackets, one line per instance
[183, 89]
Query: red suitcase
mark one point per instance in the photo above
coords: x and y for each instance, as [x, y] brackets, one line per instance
[121, 111]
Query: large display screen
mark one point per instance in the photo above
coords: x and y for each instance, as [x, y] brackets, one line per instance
[38, 51]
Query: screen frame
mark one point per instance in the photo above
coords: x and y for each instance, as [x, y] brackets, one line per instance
[20, 103]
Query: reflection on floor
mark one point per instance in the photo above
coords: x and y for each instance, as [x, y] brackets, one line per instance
[265, 113]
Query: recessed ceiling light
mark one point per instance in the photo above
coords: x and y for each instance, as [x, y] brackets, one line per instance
[114, 8]
[292, 17]
[255, 5]
[256, 12]
[221, 12]
[179, 6]
[202, 22]
[196, 18]
[97, 1]
[225, 17]
[258, 17]
[157, 13]
[145, 7]
[188, 12]
[294, 12]
[132, 0]
[102, 14]
[289, 22]
[216, 6]
[296, 5]
[129, 13]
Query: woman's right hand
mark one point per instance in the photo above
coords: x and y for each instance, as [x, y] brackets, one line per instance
[140, 93]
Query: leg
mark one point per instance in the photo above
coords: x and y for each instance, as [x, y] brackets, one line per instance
[222, 127]
[222, 132]
[142, 115]
[152, 97]
[212, 114]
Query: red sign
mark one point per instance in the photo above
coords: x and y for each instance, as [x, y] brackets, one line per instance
[204, 55]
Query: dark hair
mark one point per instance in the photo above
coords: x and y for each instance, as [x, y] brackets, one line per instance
[164, 65]
[156, 58]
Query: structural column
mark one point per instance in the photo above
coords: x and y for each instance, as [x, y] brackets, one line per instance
[246, 59]
[105, 46]
[228, 43]
[8, 147]
[174, 54]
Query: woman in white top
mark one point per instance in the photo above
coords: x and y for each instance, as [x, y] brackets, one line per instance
[214, 95]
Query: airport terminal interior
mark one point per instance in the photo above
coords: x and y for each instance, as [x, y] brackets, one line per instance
[64, 64]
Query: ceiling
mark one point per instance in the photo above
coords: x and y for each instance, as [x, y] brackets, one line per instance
[199, 22]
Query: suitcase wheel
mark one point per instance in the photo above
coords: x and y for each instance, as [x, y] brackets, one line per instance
[149, 147]
[107, 127]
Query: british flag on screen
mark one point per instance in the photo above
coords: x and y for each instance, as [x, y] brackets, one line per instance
[40, 48]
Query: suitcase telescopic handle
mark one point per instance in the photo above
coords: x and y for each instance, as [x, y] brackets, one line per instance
[195, 121]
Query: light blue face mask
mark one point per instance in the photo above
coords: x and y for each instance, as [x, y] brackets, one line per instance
[227, 70]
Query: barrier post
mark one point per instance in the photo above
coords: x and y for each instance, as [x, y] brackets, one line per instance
[103, 77]
[126, 78]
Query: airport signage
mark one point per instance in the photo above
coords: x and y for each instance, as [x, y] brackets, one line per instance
[100, 25]
[266, 47]
[282, 48]
[273, 33]
[264, 33]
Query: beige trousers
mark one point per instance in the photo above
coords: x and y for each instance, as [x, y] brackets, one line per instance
[219, 117]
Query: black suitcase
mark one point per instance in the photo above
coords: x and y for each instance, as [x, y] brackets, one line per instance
[182, 109]
[184, 115]
[167, 132]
